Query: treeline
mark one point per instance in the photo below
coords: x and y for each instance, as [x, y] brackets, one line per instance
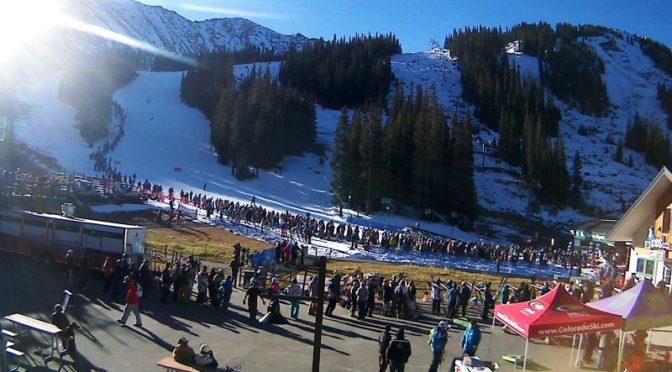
[517, 108]
[570, 68]
[343, 72]
[574, 74]
[88, 85]
[254, 122]
[665, 98]
[660, 54]
[415, 159]
[647, 137]
[259, 122]
[248, 55]
[201, 87]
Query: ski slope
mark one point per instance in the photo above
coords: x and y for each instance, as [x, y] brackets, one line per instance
[167, 142]
[49, 127]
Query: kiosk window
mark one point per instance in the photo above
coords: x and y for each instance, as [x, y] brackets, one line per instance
[645, 267]
[666, 221]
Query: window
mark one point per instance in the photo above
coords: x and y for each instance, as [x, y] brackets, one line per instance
[641, 262]
[33, 223]
[67, 228]
[10, 219]
[645, 267]
[649, 267]
[666, 221]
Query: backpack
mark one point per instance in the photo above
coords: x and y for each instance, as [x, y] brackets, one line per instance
[431, 336]
[138, 290]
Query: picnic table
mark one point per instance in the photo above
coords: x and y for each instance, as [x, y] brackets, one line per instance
[48, 331]
[171, 365]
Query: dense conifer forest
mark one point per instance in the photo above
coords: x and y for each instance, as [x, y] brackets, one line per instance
[343, 72]
[413, 158]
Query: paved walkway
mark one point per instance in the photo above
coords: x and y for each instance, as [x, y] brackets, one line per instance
[348, 344]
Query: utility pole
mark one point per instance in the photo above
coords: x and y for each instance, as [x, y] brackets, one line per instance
[368, 187]
[317, 341]
[319, 268]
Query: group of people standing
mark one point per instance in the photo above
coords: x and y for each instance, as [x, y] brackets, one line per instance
[458, 297]
[395, 352]
[305, 227]
[398, 295]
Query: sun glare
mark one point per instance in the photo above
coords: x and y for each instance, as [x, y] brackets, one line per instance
[24, 22]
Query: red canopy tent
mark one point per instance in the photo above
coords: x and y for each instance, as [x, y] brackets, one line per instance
[554, 314]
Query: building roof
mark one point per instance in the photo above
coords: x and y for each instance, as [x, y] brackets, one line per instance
[75, 219]
[598, 226]
[634, 224]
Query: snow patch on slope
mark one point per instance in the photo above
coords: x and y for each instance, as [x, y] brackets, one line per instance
[527, 65]
[50, 126]
[435, 70]
[240, 72]
[631, 80]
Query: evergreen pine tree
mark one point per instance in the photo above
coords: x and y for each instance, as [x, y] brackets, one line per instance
[577, 180]
[619, 152]
[462, 172]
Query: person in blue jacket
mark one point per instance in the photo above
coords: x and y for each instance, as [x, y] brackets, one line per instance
[471, 338]
[225, 291]
[452, 301]
[438, 337]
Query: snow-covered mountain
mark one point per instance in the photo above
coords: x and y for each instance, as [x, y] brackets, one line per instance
[631, 79]
[168, 30]
[156, 120]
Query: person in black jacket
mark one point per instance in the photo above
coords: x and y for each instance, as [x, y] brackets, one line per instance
[463, 298]
[398, 352]
[166, 281]
[235, 265]
[67, 333]
[383, 342]
[488, 302]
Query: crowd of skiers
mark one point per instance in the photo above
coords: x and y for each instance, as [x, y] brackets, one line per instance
[304, 228]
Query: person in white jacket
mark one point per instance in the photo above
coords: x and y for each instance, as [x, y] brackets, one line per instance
[294, 289]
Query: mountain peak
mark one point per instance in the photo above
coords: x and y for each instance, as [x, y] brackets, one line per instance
[168, 30]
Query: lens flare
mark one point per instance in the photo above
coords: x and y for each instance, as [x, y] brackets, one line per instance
[23, 22]
[24, 26]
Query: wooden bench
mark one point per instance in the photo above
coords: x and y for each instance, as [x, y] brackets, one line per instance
[171, 365]
[14, 354]
[9, 334]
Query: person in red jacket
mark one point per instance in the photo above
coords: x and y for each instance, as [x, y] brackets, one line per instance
[132, 303]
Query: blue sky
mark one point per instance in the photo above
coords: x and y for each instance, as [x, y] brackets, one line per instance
[418, 22]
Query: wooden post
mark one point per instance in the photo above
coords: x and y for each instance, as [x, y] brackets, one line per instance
[317, 342]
